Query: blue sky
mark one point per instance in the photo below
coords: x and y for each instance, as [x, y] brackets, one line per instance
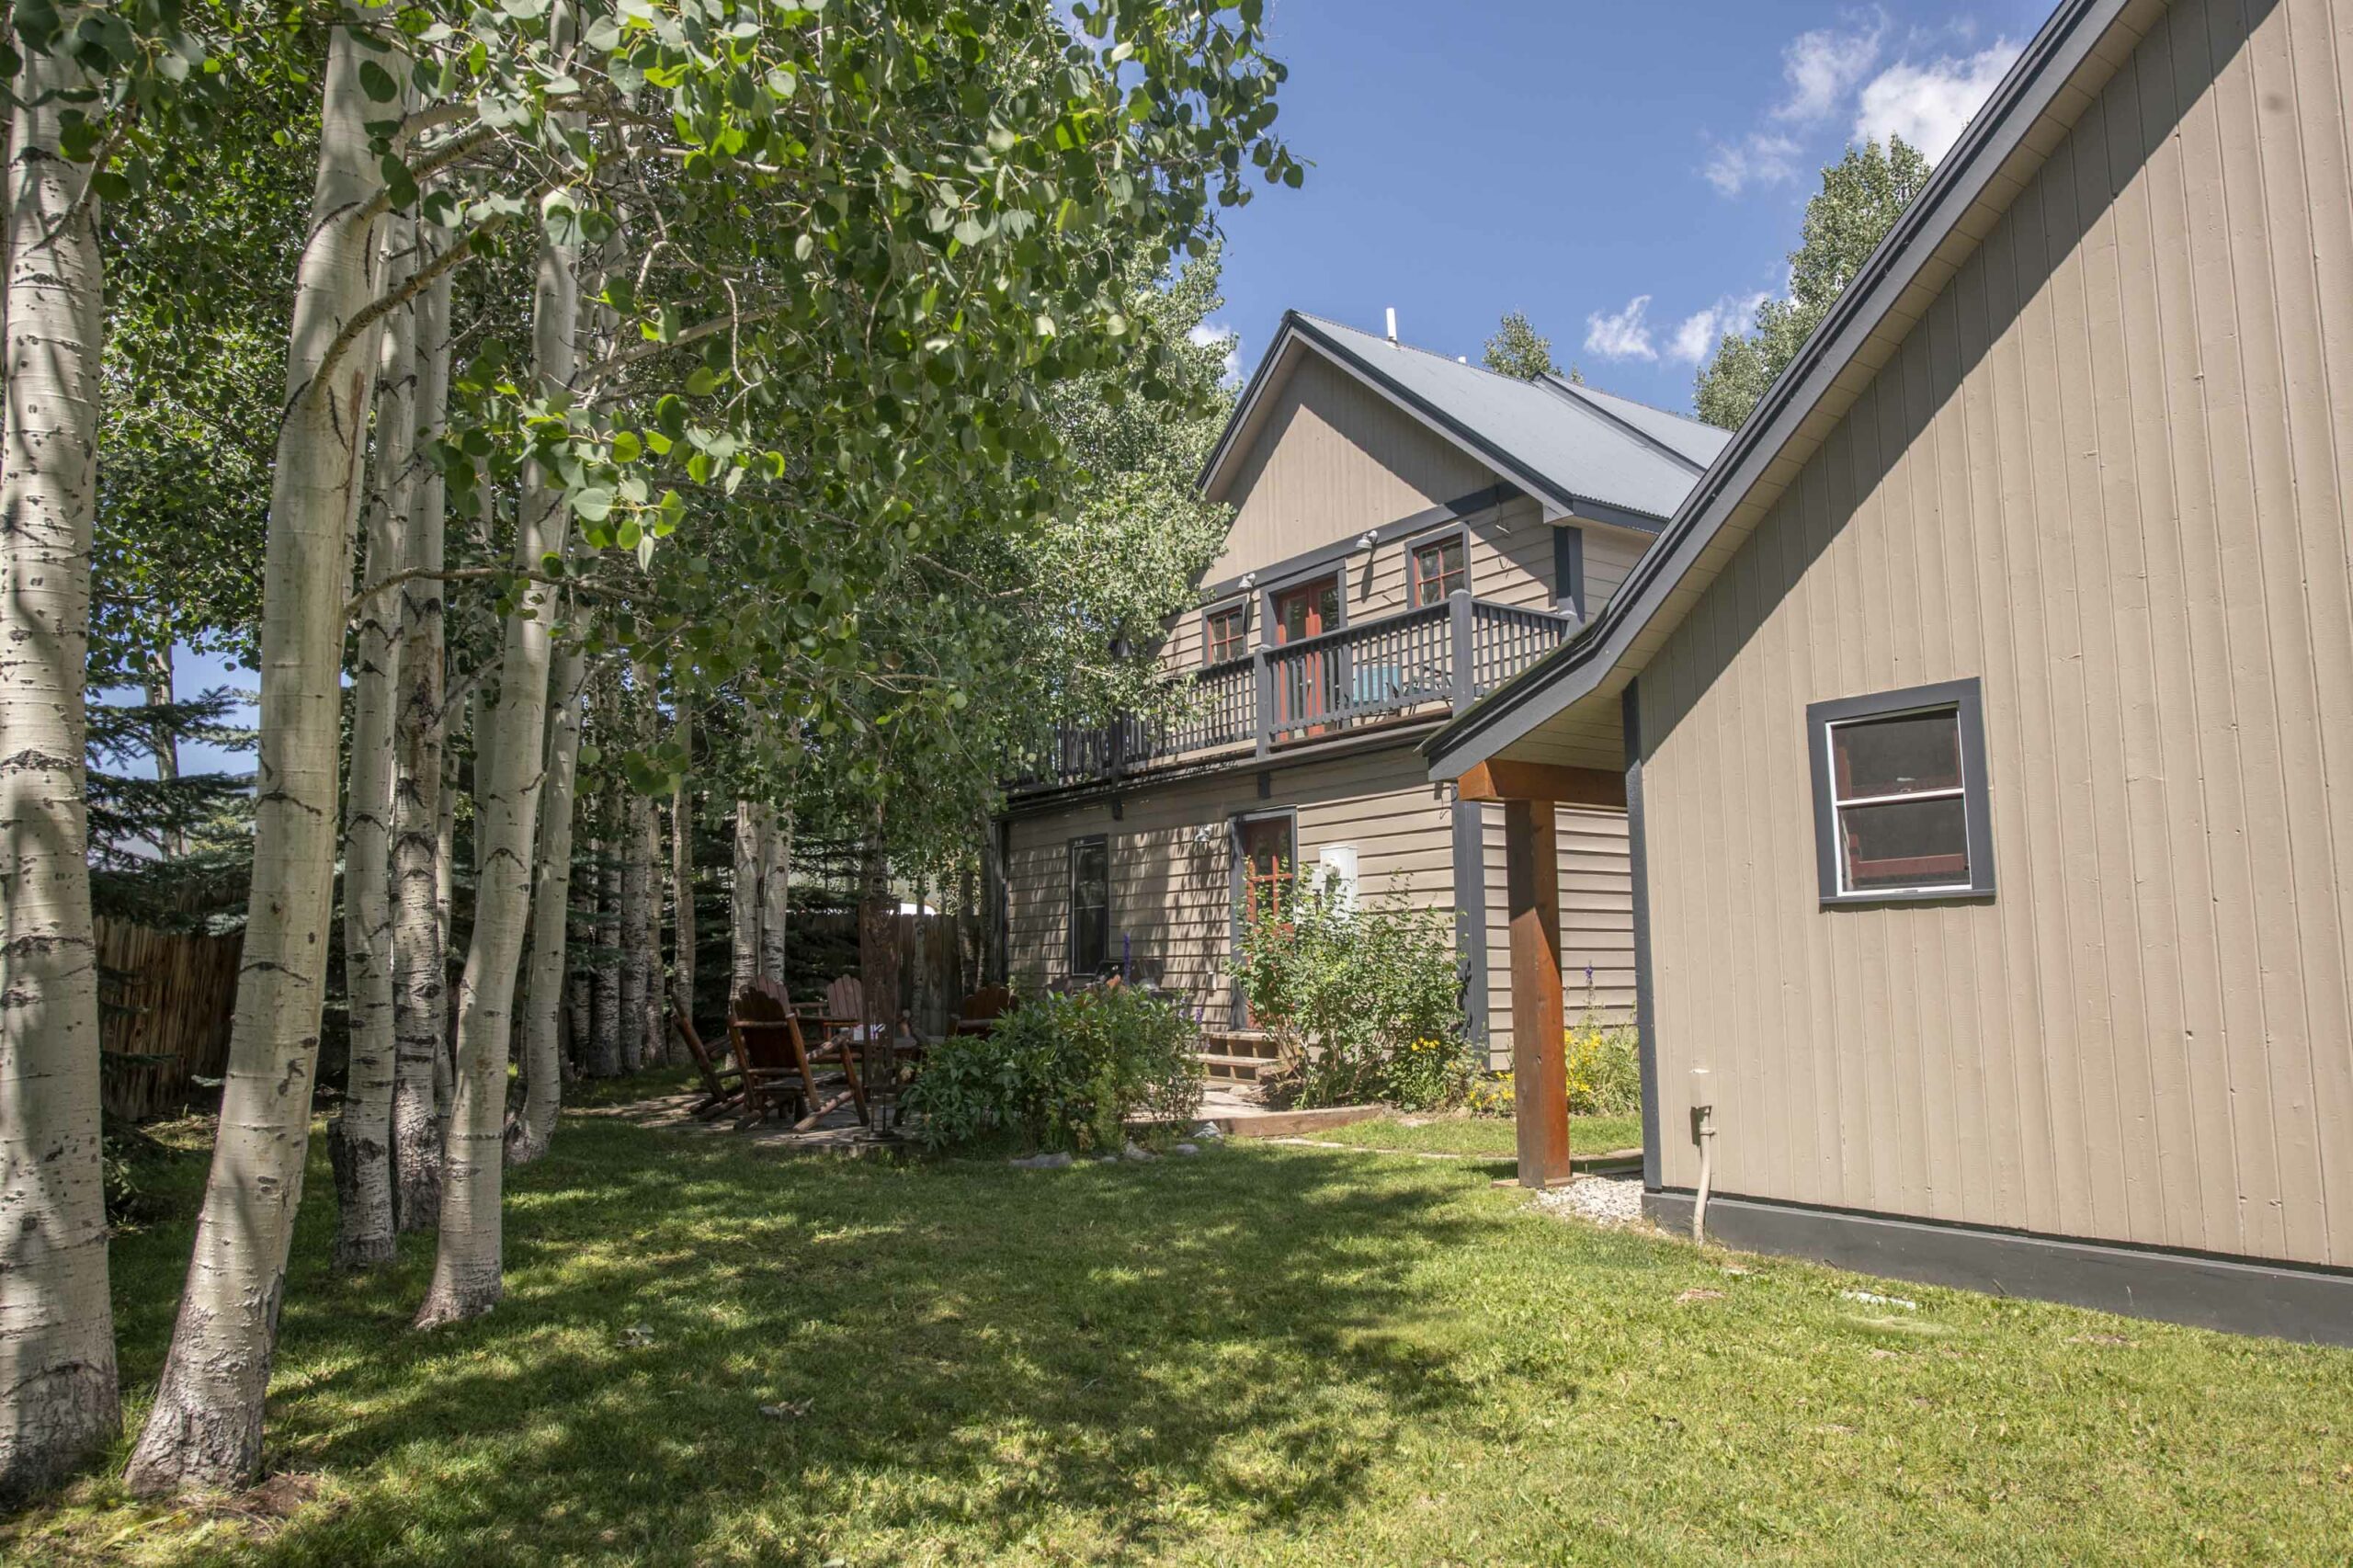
[1631, 176]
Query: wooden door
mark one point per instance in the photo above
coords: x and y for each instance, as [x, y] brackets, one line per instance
[1266, 855]
[1306, 690]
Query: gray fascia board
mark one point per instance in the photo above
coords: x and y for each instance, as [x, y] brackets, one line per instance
[1445, 426]
[1246, 405]
[1454, 511]
[1577, 668]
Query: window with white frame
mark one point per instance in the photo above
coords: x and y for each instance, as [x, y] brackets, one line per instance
[1900, 803]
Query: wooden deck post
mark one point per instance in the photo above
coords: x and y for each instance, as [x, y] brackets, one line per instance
[1532, 873]
[1532, 794]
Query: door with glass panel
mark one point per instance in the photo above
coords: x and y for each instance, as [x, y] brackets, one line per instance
[1308, 684]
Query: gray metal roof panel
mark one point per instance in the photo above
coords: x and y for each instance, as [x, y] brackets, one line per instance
[1694, 440]
[1578, 452]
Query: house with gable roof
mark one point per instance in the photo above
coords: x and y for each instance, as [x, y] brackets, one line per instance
[1409, 532]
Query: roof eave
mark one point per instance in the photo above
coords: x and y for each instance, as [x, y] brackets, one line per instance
[2068, 42]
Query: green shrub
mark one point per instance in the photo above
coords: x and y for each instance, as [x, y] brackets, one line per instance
[1061, 1072]
[1364, 1004]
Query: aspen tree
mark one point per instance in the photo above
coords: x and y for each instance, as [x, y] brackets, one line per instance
[205, 1427]
[360, 1138]
[58, 1397]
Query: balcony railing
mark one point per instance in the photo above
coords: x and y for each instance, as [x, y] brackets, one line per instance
[1421, 663]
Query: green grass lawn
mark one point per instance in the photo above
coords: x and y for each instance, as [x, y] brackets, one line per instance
[1264, 1355]
[1489, 1137]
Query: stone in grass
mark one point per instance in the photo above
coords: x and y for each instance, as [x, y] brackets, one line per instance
[1188, 1148]
[1208, 1130]
[1052, 1162]
[1135, 1150]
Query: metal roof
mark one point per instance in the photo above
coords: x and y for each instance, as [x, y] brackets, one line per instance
[1586, 454]
[1689, 438]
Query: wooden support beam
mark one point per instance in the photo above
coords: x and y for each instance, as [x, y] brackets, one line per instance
[1539, 1073]
[1498, 780]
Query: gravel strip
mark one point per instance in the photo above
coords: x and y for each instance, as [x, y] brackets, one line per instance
[1605, 1200]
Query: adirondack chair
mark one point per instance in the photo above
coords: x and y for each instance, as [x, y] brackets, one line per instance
[721, 1087]
[980, 1010]
[845, 1000]
[769, 1024]
[774, 1073]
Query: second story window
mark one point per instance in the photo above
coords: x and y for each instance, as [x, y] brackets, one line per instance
[1437, 569]
[1225, 639]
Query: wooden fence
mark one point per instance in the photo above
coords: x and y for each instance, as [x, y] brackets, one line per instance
[935, 972]
[165, 1000]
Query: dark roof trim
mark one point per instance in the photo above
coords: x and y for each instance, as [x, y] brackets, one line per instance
[1578, 667]
[1294, 324]
[1570, 392]
[1452, 511]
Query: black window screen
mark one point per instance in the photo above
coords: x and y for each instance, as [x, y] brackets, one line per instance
[1090, 906]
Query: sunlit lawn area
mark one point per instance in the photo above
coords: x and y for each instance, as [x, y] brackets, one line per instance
[1491, 1137]
[1264, 1355]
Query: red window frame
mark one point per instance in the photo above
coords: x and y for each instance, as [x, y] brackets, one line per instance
[1226, 634]
[1433, 586]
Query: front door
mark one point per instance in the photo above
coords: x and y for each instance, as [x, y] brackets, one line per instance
[1268, 855]
[1304, 692]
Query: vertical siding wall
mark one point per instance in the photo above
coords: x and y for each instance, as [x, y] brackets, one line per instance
[1334, 458]
[1172, 899]
[2107, 473]
[1597, 923]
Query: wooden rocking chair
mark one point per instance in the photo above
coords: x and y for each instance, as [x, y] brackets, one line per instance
[769, 1024]
[721, 1087]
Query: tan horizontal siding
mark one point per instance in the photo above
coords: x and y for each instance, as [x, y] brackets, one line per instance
[1172, 901]
[2104, 473]
[1597, 923]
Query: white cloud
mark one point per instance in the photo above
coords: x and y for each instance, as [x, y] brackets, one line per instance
[1732, 167]
[1206, 333]
[1928, 105]
[1824, 66]
[1696, 337]
[1623, 335]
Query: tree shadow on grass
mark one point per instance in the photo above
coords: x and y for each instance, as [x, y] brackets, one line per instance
[960, 1361]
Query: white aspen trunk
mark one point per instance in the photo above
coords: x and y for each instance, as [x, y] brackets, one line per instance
[205, 1429]
[422, 810]
[467, 1269]
[637, 885]
[162, 688]
[445, 903]
[529, 1137]
[682, 870]
[58, 1395]
[776, 892]
[647, 939]
[605, 1029]
[361, 1139]
[744, 901]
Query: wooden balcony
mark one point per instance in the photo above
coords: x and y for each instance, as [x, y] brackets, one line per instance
[1419, 664]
